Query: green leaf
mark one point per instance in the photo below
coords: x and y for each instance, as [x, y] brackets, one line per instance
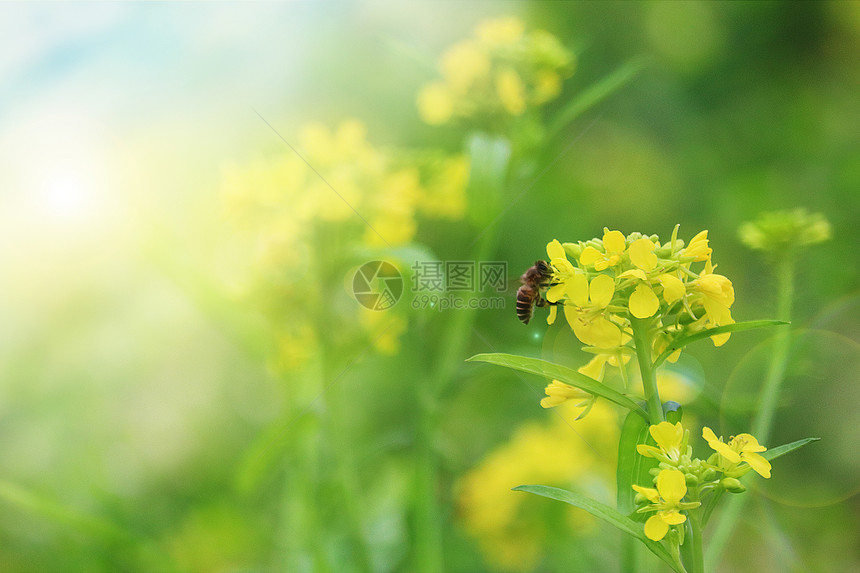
[605, 513]
[594, 94]
[736, 327]
[780, 451]
[632, 467]
[561, 373]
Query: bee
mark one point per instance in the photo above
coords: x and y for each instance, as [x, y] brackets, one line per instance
[528, 295]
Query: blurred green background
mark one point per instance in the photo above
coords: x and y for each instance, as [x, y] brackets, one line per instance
[166, 405]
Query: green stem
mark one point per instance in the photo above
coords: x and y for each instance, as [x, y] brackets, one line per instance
[776, 371]
[695, 540]
[763, 421]
[427, 532]
[642, 341]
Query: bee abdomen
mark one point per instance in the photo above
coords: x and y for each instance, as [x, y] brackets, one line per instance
[525, 303]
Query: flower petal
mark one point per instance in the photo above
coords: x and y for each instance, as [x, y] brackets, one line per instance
[554, 250]
[614, 242]
[672, 486]
[642, 255]
[600, 290]
[643, 302]
[637, 273]
[555, 292]
[595, 367]
[750, 443]
[758, 463]
[650, 493]
[589, 256]
[672, 516]
[655, 528]
[718, 445]
[576, 288]
[648, 451]
[673, 288]
[553, 312]
[668, 436]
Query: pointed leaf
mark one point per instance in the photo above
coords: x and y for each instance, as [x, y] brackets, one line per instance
[595, 93]
[562, 373]
[736, 327]
[780, 451]
[605, 513]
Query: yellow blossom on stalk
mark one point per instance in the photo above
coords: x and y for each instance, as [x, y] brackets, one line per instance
[671, 441]
[698, 248]
[614, 246]
[666, 501]
[499, 73]
[604, 284]
[742, 448]
[717, 297]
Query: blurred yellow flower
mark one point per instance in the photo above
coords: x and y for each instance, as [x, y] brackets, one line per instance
[510, 530]
[463, 65]
[496, 75]
[511, 91]
[501, 31]
[435, 103]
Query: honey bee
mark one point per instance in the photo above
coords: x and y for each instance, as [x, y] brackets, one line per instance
[528, 295]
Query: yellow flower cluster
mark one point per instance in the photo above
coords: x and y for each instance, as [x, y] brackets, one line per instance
[510, 530]
[284, 205]
[678, 469]
[617, 279]
[501, 71]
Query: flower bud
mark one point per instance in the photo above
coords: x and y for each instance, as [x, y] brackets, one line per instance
[709, 474]
[732, 485]
[573, 250]
[691, 480]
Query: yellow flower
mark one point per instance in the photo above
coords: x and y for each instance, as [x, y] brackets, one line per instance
[559, 392]
[511, 92]
[614, 245]
[435, 103]
[500, 31]
[582, 310]
[741, 448]
[698, 248]
[673, 288]
[563, 272]
[444, 194]
[670, 440]
[718, 295]
[547, 86]
[666, 501]
[643, 303]
[642, 254]
[463, 65]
